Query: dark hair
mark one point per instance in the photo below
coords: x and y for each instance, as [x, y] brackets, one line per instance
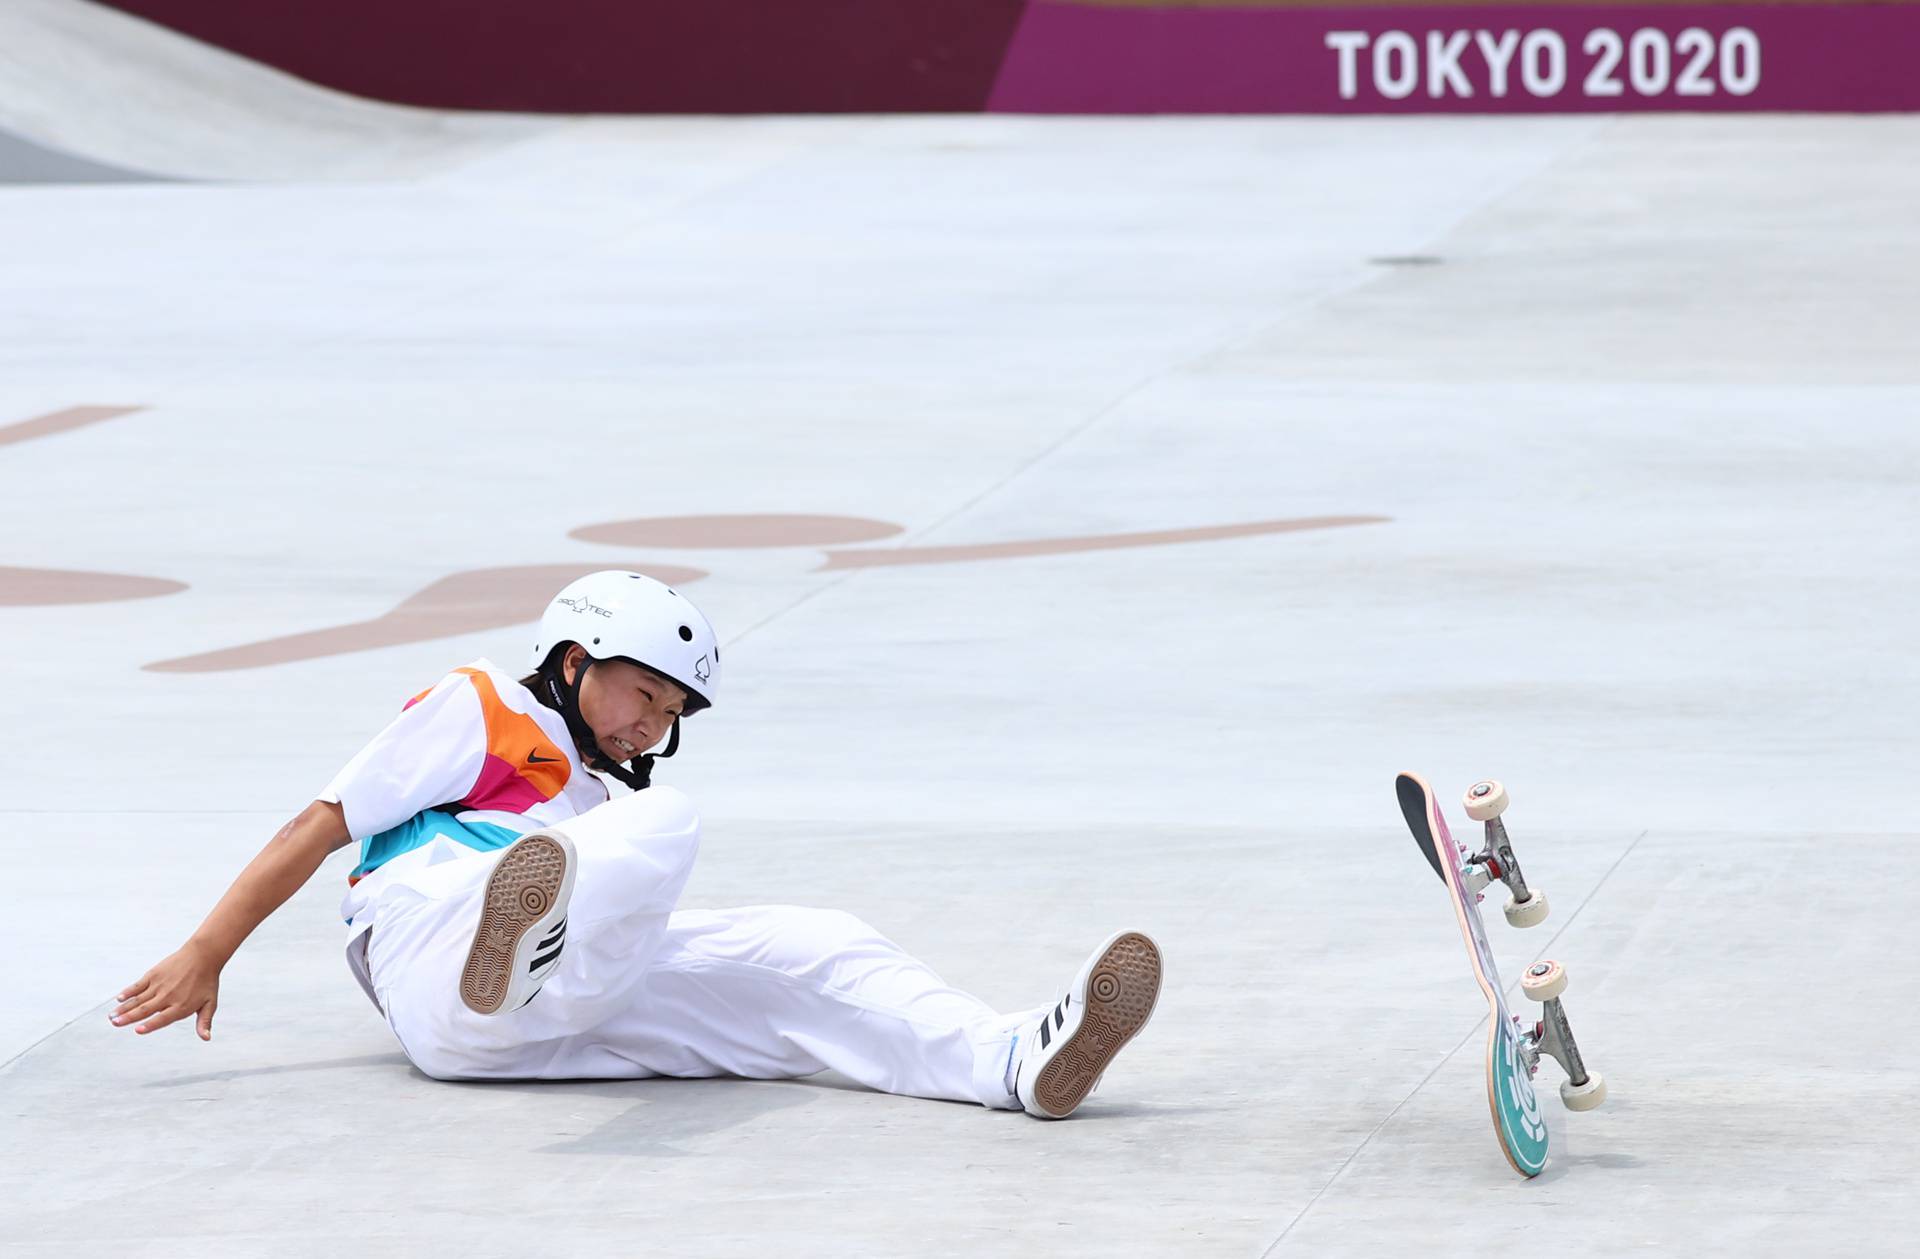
[549, 666]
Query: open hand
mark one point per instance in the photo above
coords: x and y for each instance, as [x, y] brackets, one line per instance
[186, 983]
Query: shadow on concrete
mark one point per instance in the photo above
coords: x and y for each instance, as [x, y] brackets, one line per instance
[285, 1068]
[24, 162]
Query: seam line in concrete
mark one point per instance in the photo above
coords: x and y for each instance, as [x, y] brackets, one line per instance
[1233, 339]
[1040, 456]
[1365, 1142]
[1449, 1055]
[1586, 900]
[8, 1064]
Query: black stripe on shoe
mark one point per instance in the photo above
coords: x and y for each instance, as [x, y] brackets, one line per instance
[1046, 1034]
[543, 959]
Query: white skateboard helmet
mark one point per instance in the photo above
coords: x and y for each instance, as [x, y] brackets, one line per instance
[622, 615]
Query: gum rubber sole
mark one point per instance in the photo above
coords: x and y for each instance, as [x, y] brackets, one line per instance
[521, 889]
[1121, 991]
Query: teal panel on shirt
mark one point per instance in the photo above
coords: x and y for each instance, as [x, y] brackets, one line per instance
[422, 829]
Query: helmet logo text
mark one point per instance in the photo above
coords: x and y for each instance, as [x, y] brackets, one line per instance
[584, 605]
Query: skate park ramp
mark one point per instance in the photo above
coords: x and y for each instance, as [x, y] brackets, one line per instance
[1098, 514]
[24, 162]
[87, 92]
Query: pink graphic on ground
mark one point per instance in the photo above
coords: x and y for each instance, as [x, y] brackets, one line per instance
[884, 557]
[495, 598]
[726, 532]
[56, 587]
[465, 603]
[60, 422]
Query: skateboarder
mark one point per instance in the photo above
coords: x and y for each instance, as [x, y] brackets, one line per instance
[512, 921]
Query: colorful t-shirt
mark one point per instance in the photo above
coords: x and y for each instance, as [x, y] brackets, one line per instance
[475, 759]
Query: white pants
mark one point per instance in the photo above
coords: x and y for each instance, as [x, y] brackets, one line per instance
[767, 992]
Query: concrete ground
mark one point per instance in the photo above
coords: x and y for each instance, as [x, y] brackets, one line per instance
[1629, 403]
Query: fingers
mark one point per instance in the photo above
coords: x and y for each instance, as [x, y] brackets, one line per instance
[126, 1008]
[172, 1014]
[137, 1010]
[185, 984]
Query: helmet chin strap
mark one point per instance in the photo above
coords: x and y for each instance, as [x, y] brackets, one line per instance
[637, 773]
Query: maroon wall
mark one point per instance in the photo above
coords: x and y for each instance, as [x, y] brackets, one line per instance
[621, 56]
[1081, 56]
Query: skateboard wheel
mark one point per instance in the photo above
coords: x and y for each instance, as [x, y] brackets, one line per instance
[1486, 800]
[1530, 912]
[1584, 1096]
[1544, 981]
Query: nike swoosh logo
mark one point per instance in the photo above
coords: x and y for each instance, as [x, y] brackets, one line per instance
[534, 758]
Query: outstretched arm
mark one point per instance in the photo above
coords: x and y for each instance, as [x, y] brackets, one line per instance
[188, 982]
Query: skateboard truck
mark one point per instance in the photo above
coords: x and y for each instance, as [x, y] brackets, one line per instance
[1545, 980]
[1553, 1036]
[1525, 907]
[1513, 1048]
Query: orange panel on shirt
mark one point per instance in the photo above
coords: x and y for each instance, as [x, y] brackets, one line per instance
[517, 739]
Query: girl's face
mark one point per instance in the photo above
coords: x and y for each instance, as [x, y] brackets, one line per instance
[628, 708]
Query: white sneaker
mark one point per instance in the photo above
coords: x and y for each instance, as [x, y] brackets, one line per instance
[523, 924]
[1059, 1060]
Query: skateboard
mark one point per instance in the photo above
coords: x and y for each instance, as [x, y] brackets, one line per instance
[1513, 1050]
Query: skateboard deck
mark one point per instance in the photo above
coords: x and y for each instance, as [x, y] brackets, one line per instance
[1510, 1093]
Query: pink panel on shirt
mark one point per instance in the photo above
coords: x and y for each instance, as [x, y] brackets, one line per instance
[500, 787]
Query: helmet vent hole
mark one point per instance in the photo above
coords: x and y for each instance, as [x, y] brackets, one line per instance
[596, 642]
[686, 635]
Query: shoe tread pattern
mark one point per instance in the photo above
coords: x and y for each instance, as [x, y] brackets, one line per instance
[1121, 990]
[521, 888]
